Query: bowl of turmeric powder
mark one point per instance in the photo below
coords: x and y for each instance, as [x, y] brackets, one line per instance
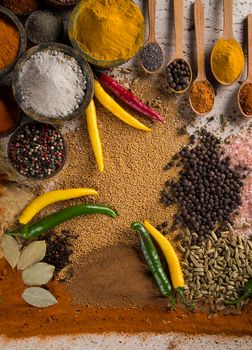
[12, 40]
[106, 33]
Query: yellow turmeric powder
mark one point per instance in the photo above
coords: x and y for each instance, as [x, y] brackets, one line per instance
[227, 60]
[110, 30]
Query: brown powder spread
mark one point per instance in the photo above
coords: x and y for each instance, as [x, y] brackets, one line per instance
[202, 96]
[245, 99]
[68, 318]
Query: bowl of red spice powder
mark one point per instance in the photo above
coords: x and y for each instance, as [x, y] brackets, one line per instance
[10, 113]
[12, 40]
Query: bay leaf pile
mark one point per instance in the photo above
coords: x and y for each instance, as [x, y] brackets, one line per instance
[217, 270]
[34, 272]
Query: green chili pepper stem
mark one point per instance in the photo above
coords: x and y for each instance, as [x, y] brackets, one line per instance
[47, 223]
[153, 261]
[247, 293]
[180, 291]
[232, 302]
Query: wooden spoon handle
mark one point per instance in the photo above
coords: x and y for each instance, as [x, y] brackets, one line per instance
[152, 17]
[228, 19]
[200, 28]
[179, 27]
[249, 47]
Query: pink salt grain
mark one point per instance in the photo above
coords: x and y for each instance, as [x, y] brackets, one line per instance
[239, 149]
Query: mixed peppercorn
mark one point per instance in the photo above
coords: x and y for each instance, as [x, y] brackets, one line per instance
[208, 191]
[37, 150]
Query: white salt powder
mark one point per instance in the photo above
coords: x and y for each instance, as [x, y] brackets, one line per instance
[52, 83]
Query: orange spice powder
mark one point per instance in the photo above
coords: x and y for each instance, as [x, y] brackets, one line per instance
[10, 41]
[68, 318]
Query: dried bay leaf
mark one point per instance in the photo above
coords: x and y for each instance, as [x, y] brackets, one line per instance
[32, 254]
[38, 274]
[11, 250]
[38, 297]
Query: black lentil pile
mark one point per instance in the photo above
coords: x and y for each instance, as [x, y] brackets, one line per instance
[37, 150]
[208, 191]
[152, 57]
[59, 248]
[43, 26]
[178, 75]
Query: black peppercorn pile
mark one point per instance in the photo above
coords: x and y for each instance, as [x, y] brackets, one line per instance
[178, 75]
[37, 150]
[59, 249]
[208, 191]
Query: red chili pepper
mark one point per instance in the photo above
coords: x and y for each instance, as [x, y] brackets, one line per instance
[127, 97]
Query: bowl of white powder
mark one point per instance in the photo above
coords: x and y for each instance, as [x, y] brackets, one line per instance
[52, 83]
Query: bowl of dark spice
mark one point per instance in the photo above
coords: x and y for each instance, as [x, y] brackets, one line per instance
[12, 40]
[37, 150]
[21, 7]
[43, 26]
[10, 113]
[53, 84]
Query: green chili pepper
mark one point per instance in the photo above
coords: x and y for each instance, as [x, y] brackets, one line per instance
[153, 261]
[247, 293]
[47, 223]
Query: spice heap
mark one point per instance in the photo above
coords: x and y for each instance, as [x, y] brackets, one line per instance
[52, 83]
[59, 249]
[179, 75]
[119, 23]
[202, 97]
[10, 41]
[152, 57]
[245, 99]
[43, 26]
[218, 269]
[238, 149]
[227, 60]
[9, 111]
[21, 7]
[208, 190]
[37, 150]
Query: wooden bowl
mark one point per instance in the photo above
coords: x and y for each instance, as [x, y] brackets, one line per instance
[23, 39]
[90, 59]
[37, 177]
[85, 68]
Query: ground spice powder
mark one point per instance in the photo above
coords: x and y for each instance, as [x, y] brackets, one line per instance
[119, 23]
[202, 96]
[68, 318]
[21, 7]
[10, 41]
[227, 60]
[9, 112]
[245, 98]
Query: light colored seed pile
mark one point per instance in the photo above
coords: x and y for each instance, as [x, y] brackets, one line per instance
[217, 270]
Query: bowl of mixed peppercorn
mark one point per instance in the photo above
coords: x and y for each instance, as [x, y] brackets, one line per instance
[37, 150]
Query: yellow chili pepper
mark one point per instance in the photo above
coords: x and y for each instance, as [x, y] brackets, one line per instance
[48, 198]
[172, 259]
[110, 104]
[94, 135]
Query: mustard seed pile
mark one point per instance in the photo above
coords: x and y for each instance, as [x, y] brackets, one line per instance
[208, 190]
